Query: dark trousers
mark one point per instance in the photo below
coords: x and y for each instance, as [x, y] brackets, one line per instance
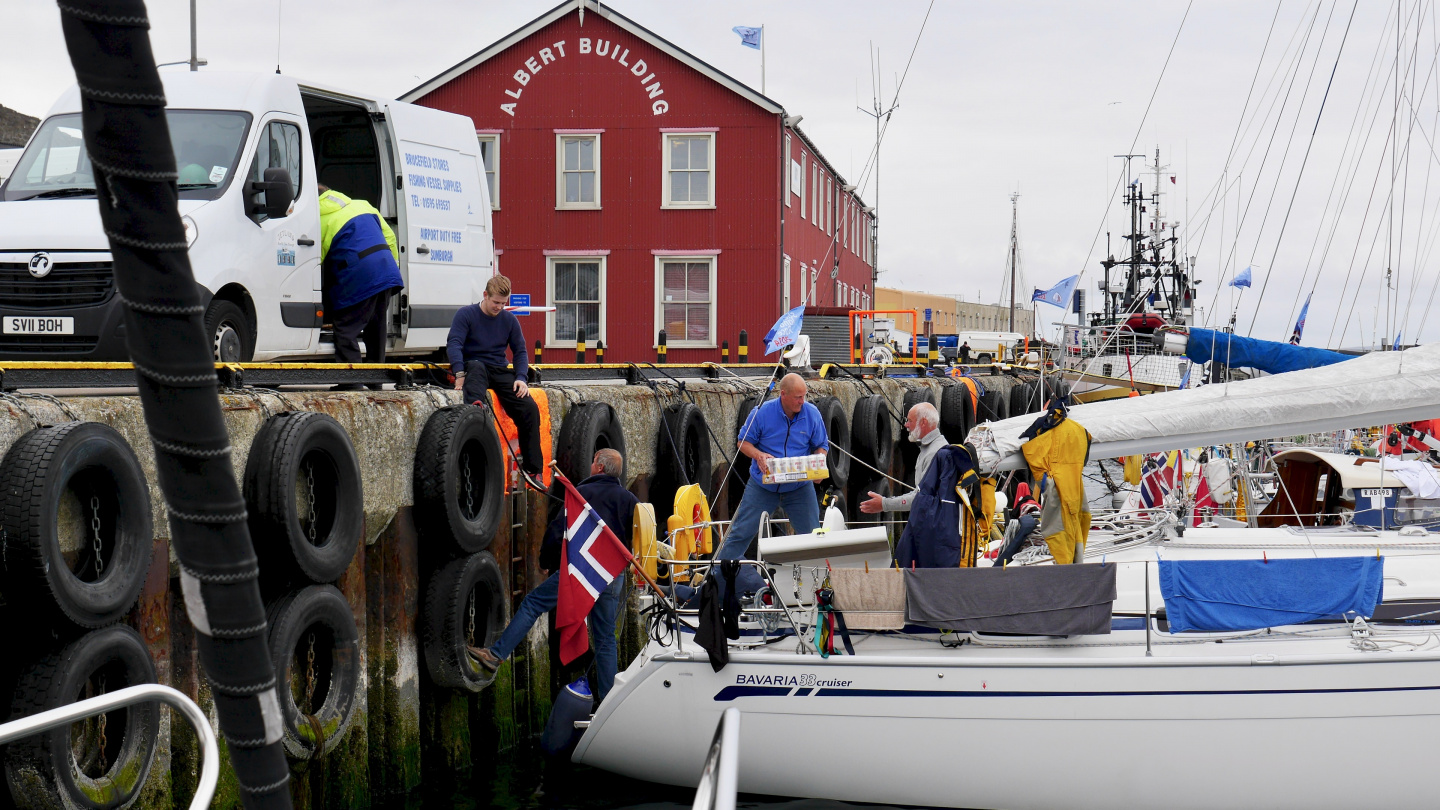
[522, 410]
[366, 319]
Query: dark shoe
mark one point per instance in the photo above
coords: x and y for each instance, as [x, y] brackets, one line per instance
[532, 480]
[486, 658]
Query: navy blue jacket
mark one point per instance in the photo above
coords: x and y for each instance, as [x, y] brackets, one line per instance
[612, 502]
[932, 535]
[359, 264]
[477, 336]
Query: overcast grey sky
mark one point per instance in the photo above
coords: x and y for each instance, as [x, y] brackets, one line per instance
[1030, 96]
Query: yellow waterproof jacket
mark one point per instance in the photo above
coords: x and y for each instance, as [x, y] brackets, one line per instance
[336, 209]
[1059, 453]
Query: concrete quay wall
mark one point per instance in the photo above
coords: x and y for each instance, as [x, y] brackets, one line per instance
[406, 729]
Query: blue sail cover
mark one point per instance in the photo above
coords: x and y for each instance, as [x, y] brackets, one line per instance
[1218, 595]
[1270, 356]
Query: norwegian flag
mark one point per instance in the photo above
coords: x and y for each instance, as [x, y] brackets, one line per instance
[1157, 478]
[591, 558]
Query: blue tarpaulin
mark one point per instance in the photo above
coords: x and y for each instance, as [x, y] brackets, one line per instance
[1217, 595]
[1269, 356]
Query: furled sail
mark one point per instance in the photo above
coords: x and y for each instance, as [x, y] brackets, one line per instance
[1376, 389]
[1270, 356]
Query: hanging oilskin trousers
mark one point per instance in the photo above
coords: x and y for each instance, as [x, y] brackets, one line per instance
[1056, 454]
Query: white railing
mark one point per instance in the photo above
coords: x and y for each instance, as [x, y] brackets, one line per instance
[129, 696]
[719, 779]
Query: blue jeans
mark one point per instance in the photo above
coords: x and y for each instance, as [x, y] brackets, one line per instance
[801, 506]
[602, 627]
[1017, 542]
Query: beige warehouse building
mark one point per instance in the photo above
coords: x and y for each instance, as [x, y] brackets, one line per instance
[950, 314]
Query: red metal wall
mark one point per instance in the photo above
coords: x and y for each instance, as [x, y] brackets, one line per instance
[838, 231]
[588, 91]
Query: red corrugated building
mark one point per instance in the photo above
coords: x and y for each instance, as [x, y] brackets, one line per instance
[637, 188]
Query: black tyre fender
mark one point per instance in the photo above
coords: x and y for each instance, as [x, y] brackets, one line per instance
[871, 439]
[588, 426]
[1019, 394]
[859, 493]
[445, 621]
[837, 431]
[955, 412]
[78, 475]
[232, 338]
[457, 439]
[682, 456]
[910, 451]
[297, 455]
[322, 613]
[62, 767]
[740, 470]
[993, 406]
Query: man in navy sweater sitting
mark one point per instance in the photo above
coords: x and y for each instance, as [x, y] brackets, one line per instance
[479, 336]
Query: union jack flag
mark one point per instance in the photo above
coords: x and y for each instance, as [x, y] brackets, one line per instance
[1157, 478]
[590, 559]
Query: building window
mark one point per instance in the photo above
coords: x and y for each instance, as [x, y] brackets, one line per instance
[794, 170]
[828, 216]
[785, 282]
[577, 175]
[689, 170]
[490, 156]
[815, 192]
[803, 186]
[685, 299]
[577, 291]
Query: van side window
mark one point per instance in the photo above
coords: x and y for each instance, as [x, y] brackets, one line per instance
[279, 148]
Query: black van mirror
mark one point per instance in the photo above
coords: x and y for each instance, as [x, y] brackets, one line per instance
[276, 191]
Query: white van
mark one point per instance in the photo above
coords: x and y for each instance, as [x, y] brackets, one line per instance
[254, 234]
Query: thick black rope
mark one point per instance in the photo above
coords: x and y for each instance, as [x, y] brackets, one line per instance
[128, 143]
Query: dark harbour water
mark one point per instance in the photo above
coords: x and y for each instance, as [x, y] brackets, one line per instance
[531, 782]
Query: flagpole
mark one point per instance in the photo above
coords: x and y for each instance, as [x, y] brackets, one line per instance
[762, 59]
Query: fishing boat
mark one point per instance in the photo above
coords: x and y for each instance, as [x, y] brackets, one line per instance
[1268, 717]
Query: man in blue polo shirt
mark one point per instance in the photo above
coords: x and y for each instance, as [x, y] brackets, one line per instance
[784, 427]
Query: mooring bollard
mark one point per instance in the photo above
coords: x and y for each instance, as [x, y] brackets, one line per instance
[580, 346]
[742, 351]
[724, 351]
[856, 355]
[539, 352]
[660, 346]
[931, 343]
[599, 351]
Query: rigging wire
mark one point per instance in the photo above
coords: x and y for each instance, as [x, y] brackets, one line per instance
[1301, 174]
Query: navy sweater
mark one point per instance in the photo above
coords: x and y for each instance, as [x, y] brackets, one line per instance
[477, 336]
[611, 501]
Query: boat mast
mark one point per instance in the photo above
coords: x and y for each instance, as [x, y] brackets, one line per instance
[1014, 252]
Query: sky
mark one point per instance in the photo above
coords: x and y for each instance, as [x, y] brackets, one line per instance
[1021, 96]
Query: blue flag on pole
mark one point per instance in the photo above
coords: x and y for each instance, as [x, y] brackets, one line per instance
[749, 37]
[785, 331]
[1395, 347]
[1060, 294]
[1242, 278]
[1300, 322]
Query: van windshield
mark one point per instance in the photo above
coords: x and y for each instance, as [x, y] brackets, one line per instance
[55, 164]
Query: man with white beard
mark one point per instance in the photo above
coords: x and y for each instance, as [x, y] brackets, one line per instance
[923, 426]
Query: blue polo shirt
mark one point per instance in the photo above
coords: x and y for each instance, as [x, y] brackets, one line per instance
[770, 430]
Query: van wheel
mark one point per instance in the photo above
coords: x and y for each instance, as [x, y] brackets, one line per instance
[229, 330]
[984, 359]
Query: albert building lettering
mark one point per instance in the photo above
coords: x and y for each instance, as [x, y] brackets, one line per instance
[614, 51]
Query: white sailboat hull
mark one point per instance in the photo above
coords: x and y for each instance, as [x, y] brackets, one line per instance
[1268, 722]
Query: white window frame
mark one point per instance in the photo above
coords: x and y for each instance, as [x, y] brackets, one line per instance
[492, 138]
[816, 188]
[828, 215]
[670, 341]
[789, 172]
[804, 178]
[560, 204]
[785, 284]
[665, 135]
[550, 262]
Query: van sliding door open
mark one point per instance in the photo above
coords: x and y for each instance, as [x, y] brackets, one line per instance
[445, 213]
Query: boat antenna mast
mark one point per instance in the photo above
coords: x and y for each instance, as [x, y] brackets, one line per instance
[1011, 280]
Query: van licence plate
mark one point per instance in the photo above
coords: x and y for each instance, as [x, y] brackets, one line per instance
[26, 325]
